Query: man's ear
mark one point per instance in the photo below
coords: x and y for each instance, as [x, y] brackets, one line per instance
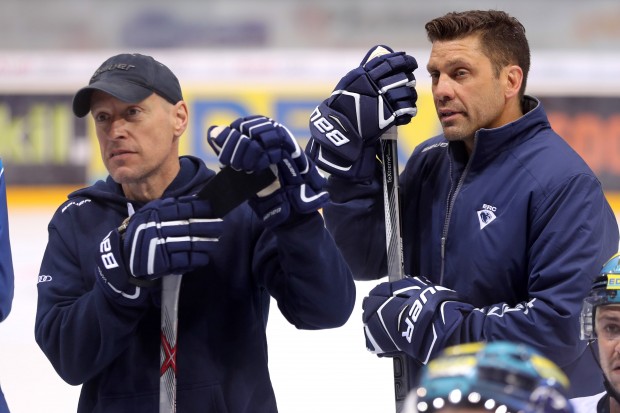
[514, 79]
[181, 115]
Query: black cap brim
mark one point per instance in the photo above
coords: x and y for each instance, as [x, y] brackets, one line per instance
[125, 91]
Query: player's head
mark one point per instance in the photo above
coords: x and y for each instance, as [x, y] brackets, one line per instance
[502, 37]
[604, 292]
[600, 321]
[130, 78]
[498, 377]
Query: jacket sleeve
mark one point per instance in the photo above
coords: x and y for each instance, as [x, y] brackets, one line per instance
[7, 278]
[301, 267]
[573, 233]
[355, 218]
[78, 328]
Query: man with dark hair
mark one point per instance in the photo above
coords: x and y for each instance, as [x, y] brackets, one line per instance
[112, 244]
[503, 224]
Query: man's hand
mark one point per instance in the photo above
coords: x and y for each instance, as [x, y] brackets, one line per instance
[411, 315]
[257, 142]
[367, 101]
[166, 236]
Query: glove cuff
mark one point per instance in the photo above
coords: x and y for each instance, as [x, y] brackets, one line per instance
[273, 210]
[361, 170]
[112, 276]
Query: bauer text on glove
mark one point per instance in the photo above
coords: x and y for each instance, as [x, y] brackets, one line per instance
[412, 316]
[367, 101]
[166, 236]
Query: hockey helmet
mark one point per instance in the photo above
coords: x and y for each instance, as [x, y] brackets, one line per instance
[604, 291]
[500, 377]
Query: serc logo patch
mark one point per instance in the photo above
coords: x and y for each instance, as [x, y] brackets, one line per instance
[486, 215]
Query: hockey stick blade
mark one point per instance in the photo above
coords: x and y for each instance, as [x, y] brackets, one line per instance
[230, 188]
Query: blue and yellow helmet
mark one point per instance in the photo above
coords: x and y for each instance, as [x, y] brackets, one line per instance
[604, 291]
[500, 377]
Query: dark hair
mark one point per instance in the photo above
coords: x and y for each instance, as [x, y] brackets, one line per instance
[502, 36]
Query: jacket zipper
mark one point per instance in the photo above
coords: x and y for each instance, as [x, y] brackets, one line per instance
[451, 201]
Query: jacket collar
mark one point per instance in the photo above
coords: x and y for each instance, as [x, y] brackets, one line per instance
[488, 143]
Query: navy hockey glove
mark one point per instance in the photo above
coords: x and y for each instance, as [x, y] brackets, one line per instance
[411, 315]
[370, 99]
[166, 236]
[112, 275]
[170, 236]
[257, 142]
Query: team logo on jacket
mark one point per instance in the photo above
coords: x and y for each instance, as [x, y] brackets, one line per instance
[486, 215]
[44, 278]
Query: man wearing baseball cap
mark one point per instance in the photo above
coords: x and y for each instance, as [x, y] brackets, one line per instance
[111, 245]
[129, 78]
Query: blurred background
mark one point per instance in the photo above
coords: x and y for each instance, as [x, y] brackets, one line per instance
[113, 24]
[236, 58]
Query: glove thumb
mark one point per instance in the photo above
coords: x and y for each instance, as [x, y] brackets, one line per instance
[376, 51]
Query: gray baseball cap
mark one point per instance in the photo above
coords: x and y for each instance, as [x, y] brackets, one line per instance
[130, 78]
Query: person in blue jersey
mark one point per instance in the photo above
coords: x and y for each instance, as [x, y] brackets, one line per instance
[110, 244]
[7, 278]
[503, 223]
[600, 328]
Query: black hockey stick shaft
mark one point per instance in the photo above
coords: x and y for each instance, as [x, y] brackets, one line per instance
[393, 237]
[229, 188]
[225, 191]
[394, 246]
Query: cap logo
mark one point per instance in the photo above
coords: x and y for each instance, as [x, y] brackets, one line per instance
[115, 66]
[613, 282]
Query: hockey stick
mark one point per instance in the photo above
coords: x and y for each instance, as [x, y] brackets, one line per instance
[393, 236]
[224, 191]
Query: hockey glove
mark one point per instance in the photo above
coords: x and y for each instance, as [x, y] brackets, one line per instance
[411, 315]
[112, 275]
[368, 100]
[256, 142]
[166, 236]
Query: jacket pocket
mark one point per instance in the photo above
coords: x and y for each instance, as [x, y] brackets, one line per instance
[201, 398]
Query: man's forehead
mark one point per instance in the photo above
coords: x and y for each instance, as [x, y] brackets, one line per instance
[462, 51]
[608, 309]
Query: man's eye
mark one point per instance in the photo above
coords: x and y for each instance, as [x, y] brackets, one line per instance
[612, 330]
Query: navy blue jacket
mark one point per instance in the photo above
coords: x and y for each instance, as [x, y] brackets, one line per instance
[222, 347]
[7, 278]
[519, 229]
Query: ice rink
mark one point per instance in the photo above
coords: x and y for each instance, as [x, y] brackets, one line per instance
[312, 371]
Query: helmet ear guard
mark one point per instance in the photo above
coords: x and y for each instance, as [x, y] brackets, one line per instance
[586, 321]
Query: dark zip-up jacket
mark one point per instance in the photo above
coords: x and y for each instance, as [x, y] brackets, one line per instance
[114, 350]
[7, 277]
[519, 229]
